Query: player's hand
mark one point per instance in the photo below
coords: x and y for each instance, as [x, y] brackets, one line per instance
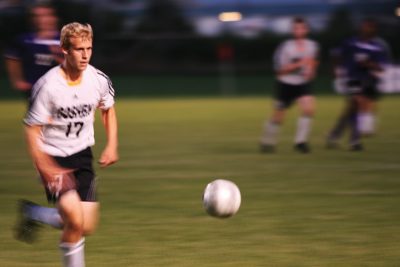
[310, 62]
[61, 182]
[371, 65]
[108, 157]
[23, 86]
[56, 179]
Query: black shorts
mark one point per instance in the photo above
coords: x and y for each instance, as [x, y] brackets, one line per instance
[82, 164]
[371, 92]
[286, 94]
[367, 88]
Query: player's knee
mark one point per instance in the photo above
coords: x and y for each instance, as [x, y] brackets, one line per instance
[309, 112]
[278, 116]
[71, 211]
[277, 120]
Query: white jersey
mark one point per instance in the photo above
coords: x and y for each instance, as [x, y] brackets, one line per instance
[66, 112]
[288, 53]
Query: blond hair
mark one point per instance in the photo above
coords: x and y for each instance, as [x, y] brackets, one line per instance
[75, 30]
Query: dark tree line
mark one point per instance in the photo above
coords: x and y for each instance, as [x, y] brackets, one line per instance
[164, 40]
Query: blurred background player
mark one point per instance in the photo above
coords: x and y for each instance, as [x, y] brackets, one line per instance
[32, 54]
[59, 132]
[359, 61]
[295, 65]
[368, 108]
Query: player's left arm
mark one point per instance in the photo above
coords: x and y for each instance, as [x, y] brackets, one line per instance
[377, 62]
[110, 152]
[312, 63]
[311, 69]
[374, 63]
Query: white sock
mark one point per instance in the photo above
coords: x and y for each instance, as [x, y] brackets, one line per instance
[45, 215]
[303, 129]
[73, 254]
[366, 122]
[372, 123]
[270, 132]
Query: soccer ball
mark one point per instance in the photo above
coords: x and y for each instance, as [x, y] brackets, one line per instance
[221, 198]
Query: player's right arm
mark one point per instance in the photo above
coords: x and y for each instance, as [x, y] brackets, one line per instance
[14, 67]
[39, 116]
[41, 160]
[15, 74]
[55, 178]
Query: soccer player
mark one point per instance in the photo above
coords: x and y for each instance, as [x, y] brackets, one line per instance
[361, 59]
[59, 133]
[367, 112]
[32, 54]
[295, 65]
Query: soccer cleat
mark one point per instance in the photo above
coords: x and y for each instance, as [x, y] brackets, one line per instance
[26, 228]
[356, 147]
[302, 148]
[265, 148]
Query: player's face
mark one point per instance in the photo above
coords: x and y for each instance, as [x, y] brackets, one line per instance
[368, 29]
[299, 30]
[79, 53]
[44, 19]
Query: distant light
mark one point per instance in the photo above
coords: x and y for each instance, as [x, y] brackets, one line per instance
[230, 16]
[397, 11]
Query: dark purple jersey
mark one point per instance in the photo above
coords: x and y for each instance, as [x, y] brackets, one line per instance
[356, 54]
[35, 55]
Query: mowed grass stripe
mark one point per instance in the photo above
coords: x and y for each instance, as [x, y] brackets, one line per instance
[329, 208]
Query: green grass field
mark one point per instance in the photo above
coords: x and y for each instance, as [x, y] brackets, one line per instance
[328, 208]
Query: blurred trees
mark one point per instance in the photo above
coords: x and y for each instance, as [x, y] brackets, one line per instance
[163, 16]
[340, 26]
[70, 11]
[162, 38]
[13, 21]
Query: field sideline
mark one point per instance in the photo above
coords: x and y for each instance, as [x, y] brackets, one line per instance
[326, 209]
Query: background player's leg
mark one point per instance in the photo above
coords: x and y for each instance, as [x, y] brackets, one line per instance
[340, 126]
[271, 130]
[355, 136]
[307, 108]
[72, 241]
[366, 116]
